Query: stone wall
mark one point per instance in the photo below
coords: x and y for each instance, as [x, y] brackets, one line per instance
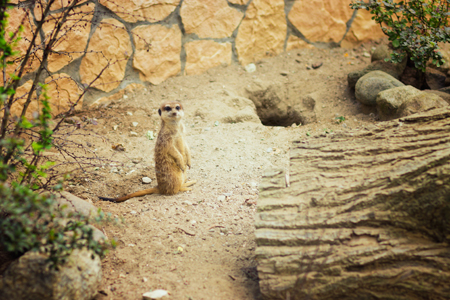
[149, 41]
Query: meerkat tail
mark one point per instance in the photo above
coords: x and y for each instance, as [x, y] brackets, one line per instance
[129, 196]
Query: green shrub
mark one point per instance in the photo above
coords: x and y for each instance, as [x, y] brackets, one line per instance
[28, 220]
[414, 27]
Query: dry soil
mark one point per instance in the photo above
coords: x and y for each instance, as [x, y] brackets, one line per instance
[200, 244]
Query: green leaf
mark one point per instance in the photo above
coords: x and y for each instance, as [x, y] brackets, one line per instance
[395, 43]
[26, 124]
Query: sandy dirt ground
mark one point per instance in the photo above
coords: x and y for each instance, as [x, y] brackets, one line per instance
[200, 244]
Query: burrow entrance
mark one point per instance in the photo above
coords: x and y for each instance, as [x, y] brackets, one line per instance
[275, 108]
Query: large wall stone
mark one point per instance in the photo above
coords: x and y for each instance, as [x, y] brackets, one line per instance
[209, 18]
[77, 29]
[110, 42]
[141, 10]
[16, 16]
[297, 43]
[262, 32]
[21, 97]
[239, 2]
[321, 20]
[363, 29]
[203, 55]
[63, 92]
[162, 59]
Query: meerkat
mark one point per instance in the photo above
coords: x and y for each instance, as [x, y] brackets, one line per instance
[172, 155]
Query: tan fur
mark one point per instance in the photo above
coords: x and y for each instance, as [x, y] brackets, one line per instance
[172, 155]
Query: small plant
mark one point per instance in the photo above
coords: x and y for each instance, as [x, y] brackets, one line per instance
[28, 220]
[414, 27]
[340, 119]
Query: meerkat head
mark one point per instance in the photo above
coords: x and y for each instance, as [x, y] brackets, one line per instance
[171, 111]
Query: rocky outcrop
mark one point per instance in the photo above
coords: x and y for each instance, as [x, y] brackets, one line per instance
[161, 59]
[262, 31]
[78, 279]
[369, 85]
[107, 54]
[203, 55]
[209, 19]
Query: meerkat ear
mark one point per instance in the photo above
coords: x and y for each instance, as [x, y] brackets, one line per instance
[159, 111]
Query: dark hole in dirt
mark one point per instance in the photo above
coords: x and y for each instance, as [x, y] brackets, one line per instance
[276, 108]
[280, 120]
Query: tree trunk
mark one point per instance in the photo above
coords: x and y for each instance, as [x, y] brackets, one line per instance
[366, 215]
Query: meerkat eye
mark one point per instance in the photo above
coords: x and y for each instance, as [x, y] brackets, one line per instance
[167, 108]
[178, 108]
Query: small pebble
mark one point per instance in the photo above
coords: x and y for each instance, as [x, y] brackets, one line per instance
[250, 68]
[132, 133]
[186, 202]
[146, 180]
[156, 294]
[221, 198]
[135, 124]
[269, 150]
[129, 113]
[133, 212]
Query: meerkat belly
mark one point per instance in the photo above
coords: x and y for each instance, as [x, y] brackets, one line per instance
[169, 176]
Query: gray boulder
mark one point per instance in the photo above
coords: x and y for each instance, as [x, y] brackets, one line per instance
[389, 101]
[445, 96]
[420, 103]
[381, 53]
[75, 204]
[30, 277]
[395, 70]
[368, 86]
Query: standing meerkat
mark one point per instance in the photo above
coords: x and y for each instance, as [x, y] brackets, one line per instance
[172, 155]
